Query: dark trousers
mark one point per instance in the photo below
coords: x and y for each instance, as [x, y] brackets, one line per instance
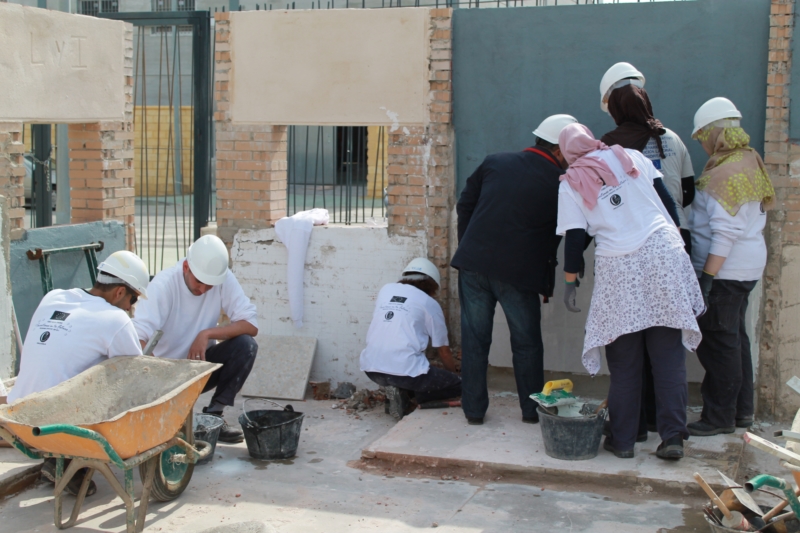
[647, 416]
[625, 358]
[725, 354]
[479, 295]
[436, 384]
[236, 356]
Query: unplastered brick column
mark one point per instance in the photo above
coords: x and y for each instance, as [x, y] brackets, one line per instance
[101, 164]
[12, 173]
[779, 341]
[421, 169]
[251, 159]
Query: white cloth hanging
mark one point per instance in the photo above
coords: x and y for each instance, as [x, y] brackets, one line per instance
[295, 232]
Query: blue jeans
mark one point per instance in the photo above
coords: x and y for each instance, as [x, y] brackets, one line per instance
[479, 295]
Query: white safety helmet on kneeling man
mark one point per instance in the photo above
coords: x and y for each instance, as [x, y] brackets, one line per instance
[619, 75]
[208, 260]
[129, 268]
[420, 265]
[551, 127]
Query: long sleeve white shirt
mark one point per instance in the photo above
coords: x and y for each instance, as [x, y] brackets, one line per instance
[740, 238]
[181, 315]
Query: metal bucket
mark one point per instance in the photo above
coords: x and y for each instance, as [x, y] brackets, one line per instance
[792, 525]
[271, 434]
[572, 438]
[207, 428]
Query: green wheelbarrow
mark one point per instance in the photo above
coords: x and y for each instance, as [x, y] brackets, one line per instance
[128, 412]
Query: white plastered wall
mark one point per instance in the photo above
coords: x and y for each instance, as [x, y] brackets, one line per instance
[330, 67]
[60, 68]
[345, 268]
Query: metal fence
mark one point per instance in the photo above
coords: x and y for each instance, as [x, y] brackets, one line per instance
[338, 168]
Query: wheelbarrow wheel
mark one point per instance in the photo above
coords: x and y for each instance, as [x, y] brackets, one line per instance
[171, 478]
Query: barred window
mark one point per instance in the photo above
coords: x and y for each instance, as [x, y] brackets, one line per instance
[89, 7]
[109, 6]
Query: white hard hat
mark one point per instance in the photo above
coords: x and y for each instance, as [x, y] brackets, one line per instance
[552, 126]
[618, 75]
[129, 268]
[420, 265]
[208, 259]
[713, 110]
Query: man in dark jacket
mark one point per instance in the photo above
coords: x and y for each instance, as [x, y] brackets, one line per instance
[507, 253]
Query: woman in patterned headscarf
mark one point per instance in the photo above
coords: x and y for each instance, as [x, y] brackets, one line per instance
[729, 254]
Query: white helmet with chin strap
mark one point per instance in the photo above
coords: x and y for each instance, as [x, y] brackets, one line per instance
[208, 260]
[551, 127]
[420, 265]
[127, 268]
[617, 76]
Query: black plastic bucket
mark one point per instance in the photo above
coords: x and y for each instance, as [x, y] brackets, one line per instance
[207, 428]
[271, 434]
[571, 439]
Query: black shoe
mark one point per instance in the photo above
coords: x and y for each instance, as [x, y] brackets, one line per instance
[474, 421]
[622, 454]
[531, 419]
[701, 428]
[227, 434]
[641, 437]
[745, 422]
[74, 485]
[671, 449]
[398, 402]
[49, 470]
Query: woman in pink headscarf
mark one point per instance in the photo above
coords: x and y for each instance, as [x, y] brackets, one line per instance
[645, 292]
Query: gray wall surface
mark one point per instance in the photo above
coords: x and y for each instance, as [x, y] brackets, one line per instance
[514, 67]
[69, 269]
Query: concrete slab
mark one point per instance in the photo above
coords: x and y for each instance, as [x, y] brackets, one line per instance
[17, 472]
[505, 446]
[282, 367]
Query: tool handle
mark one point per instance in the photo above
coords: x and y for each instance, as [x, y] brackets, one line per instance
[778, 508]
[550, 386]
[713, 495]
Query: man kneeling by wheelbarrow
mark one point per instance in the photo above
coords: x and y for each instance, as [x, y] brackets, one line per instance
[185, 303]
[76, 329]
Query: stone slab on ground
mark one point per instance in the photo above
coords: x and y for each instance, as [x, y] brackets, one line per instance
[504, 445]
[17, 471]
[282, 367]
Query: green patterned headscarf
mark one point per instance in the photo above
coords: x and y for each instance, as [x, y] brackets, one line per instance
[735, 173]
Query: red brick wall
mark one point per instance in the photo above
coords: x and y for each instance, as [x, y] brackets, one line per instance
[12, 173]
[251, 160]
[101, 164]
[779, 341]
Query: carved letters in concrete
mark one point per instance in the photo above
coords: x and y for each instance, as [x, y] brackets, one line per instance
[58, 67]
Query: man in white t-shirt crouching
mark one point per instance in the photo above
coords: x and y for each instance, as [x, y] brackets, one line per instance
[76, 329]
[185, 303]
[406, 316]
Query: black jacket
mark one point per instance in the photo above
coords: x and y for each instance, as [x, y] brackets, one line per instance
[507, 218]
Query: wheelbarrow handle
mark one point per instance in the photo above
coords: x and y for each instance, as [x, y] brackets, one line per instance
[75, 431]
[286, 407]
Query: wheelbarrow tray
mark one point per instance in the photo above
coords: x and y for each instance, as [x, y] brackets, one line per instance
[135, 403]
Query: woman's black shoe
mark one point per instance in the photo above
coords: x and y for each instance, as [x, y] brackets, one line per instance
[622, 454]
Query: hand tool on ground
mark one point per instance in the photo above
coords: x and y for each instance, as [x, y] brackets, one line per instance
[440, 405]
[709, 512]
[778, 508]
[731, 519]
[771, 448]
[555, 393]
[778, 483]
[778, 523]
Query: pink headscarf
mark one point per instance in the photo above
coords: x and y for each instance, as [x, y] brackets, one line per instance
[587, 175]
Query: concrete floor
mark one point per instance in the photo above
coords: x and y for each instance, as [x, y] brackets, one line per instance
[327, 488]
